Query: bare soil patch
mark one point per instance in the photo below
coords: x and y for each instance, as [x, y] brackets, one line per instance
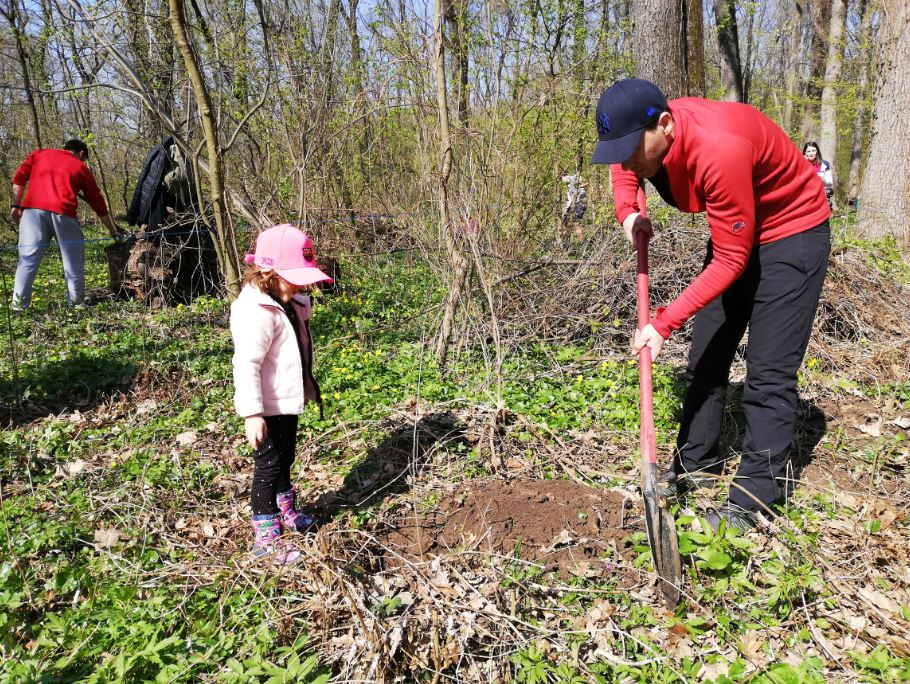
[559, 524]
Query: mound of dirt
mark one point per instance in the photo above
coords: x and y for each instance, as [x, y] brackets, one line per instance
[558, 524]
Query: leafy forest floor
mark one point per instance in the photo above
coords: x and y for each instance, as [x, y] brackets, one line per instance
[474, 530]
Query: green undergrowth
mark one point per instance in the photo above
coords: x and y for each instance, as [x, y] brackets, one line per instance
[95, 402]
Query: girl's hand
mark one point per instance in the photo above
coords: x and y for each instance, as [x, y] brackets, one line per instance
[648, 337]
[256, 431]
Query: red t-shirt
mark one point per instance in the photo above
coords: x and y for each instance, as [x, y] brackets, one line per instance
[55, 178]
[731, 161]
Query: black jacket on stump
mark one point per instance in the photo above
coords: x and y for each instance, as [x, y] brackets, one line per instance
[166, 181]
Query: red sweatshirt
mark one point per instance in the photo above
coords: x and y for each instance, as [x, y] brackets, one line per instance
[55, 178]
[731, 161]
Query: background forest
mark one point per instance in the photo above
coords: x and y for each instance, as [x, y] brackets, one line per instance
[476, 350]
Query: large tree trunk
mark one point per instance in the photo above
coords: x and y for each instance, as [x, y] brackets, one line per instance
[223, 238]
[859, 121]
[668, 45]
[658, 48]
[731, 71]
[885, 197]
[827, 138]
[458, 259]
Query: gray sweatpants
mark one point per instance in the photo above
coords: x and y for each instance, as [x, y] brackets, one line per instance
[35, 230]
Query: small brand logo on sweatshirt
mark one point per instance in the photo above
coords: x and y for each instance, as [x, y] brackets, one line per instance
[738, 226]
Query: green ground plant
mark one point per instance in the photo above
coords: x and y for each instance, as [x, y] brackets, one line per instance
[95, 586]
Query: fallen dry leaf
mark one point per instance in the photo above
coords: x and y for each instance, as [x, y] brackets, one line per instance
[106, 537]
[74, 467]
[713, 670]
[186, 438]
[872, 426]
[147, 406]
[751, 645]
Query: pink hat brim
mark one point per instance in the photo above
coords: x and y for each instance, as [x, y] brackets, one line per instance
[301, 277]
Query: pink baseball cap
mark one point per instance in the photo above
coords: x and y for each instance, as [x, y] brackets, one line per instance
[289, 252]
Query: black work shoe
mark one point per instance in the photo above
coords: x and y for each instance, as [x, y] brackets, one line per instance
[670, 484]
[735, 516]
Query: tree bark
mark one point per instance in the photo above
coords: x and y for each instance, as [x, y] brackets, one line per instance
[223, 237]
[885, 197]
[694, 35]
[658, 47]
[827, 138]
[459, 261]
[859, 121]
[731, 71]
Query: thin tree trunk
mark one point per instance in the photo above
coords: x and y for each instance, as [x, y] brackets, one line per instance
[793, 66]
[731, 72]
[579, 69]
[827, 138]
[223, 235]
[454, 252]
[12, 16]
[859, 121]
[885, 197]
[694, 35]
[748, 64]
[457, 18]
[820, 13]
[360, 97]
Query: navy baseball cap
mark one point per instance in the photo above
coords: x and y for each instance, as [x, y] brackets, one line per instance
[624, 110]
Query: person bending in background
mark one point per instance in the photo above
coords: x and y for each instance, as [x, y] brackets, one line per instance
[55, 179]
[766, 261]
[822, 168]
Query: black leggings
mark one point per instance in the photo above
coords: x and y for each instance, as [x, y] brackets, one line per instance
[272, 463]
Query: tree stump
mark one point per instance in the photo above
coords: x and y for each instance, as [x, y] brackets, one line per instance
[168, 266]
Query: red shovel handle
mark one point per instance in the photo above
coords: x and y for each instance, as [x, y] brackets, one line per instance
[648, 439]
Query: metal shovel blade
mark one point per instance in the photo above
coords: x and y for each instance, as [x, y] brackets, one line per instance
[662, 540]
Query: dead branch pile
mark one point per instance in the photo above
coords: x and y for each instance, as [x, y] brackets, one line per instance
[589, 296]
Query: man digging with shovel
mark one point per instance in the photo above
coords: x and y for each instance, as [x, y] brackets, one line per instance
[766, 261]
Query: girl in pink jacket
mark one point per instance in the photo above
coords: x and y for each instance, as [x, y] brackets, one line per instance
[273, 376]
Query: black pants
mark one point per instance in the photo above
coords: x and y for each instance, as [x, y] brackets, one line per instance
[272, 463]
[776, 297]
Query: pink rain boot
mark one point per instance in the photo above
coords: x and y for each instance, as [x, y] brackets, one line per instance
[267, 540]
[293, 520]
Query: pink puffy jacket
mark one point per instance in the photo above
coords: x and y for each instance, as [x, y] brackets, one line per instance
[272, 374]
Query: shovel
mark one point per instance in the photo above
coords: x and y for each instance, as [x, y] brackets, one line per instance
[659, 521]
